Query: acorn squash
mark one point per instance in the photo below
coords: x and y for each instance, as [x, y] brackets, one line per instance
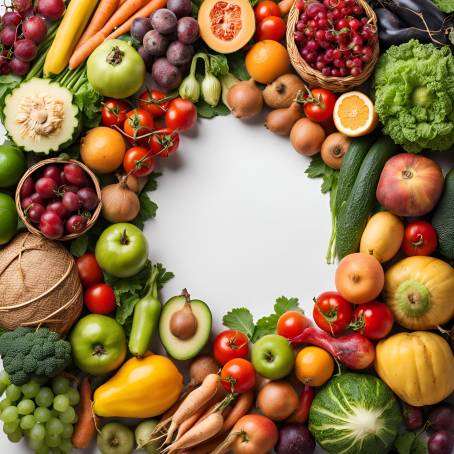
[226, 25]
[417, 366]
[419, 292]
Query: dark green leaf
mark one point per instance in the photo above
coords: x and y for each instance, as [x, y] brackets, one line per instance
[152, 182]
[284, 304]
[79, 245]
[410, 443]
[147, 211]
[219, 65]
[164, 276]
[317, 168]
[237, 66]
[126, 308]
[7, 83]
[265, 325]
[204, 110]
[240, 319]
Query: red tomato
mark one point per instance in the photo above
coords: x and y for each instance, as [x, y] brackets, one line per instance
[271, 27]
[373, 320]
[291, 324]
[89, 271]
[113, 112]
[139, 161]
[150, 100]
[332, 313]
[100, 299]
[138, 123]
[420, 238]
[181, 114]
[265, 9]
[230, 344]
[164, 143]
[319, 106]
[238, 375]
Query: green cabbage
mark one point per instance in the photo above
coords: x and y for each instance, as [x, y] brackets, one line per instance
[414, 95]
[355, 414]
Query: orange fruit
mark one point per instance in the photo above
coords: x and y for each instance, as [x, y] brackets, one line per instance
[314, 366]
[354, 114]
[102, 149]
[267, 60]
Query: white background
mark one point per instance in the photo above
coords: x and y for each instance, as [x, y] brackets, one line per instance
[239, 223]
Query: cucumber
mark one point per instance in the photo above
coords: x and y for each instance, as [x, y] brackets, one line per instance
[354, 213]
[443, 218]
[350, 167]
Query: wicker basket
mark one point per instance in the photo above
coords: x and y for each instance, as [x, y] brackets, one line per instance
[31, 228]
[315, 77]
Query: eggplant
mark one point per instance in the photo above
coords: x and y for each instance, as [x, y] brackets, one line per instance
[392, 31]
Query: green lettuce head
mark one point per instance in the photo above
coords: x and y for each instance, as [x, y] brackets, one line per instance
[414, 96]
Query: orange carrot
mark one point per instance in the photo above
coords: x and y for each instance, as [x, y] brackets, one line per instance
[205, 448]
[85, 428]
[241, 407]
[147, 10]
[122, 14]
[104, 10]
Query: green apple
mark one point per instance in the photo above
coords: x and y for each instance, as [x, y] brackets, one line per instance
[122, 250]
[272, 357]
[8, 218]
[98, 344]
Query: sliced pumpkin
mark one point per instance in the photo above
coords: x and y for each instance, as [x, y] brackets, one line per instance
[226, 25]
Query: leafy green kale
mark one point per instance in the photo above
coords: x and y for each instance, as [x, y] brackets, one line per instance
[30, 352]
[414, 96]
[242, 320]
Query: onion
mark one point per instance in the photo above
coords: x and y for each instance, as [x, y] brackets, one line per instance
[281, 121]
[245, 99]
[119, 203]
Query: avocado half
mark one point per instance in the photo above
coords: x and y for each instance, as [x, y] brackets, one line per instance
[185, 349]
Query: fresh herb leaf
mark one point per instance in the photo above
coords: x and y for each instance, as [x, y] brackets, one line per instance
[219, 65]
[79, 246]
[204, 110]
[88, 101]
[147, 211]
[7, 83]
[152, 182]
[284, 304]
[265, 325]
[240, 319]
[164, 276]
[410, 443]
[237, 65]
[126, 308]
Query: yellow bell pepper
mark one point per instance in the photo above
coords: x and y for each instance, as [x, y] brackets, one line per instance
[142, 388]
[69, 31]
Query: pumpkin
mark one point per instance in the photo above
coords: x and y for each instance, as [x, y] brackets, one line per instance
[226, 26]
[417, 366]
[419, 292]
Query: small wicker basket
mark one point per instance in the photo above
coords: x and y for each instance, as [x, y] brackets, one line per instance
[315, 77]
[31, 228]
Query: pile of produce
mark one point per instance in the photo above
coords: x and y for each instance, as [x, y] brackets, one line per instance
[94, 96]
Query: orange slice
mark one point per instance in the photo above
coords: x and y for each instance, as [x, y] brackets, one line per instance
[354, 114]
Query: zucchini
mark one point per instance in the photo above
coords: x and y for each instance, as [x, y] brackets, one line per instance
[350, 167]
[443, 218]
[354, 213]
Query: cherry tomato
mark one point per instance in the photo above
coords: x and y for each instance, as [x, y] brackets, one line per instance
[373, 320]
[420, 238]
[100, 299]
[332, 313]
[238, 375]
[138, 122]
[149, 100]
[319, 105]
[271, 27]
[164, 143]
[181, 114]
[230, 344]
[139, 161]
[265, 9]
[89, 271]
[291, 324]
[113, 112]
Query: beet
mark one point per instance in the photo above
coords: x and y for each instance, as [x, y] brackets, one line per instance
[295, 439]
[165, 74]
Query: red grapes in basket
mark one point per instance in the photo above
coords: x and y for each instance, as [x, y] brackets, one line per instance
[59, 199]
[335, 37]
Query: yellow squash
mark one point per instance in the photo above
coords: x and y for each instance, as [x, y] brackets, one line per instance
[417, 366]
[382, 236]
[420, 291]
[142, 388]
[69, 31]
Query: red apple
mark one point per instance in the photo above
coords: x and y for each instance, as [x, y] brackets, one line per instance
[410, 185]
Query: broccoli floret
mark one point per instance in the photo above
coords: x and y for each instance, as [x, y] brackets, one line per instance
[28, 353]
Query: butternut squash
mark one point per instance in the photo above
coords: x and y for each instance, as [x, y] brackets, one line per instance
[417, 366]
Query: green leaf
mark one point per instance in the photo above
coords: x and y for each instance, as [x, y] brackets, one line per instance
[164, 276]
[147, 211]
[204, 110]
[284, 304]
[240, 319]
[317, 168]
[237, 66]
[126, 308]
[219, 65]
[410, 443]
[152, 182]
[79, 246]
[265, 325]
[7, 83]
